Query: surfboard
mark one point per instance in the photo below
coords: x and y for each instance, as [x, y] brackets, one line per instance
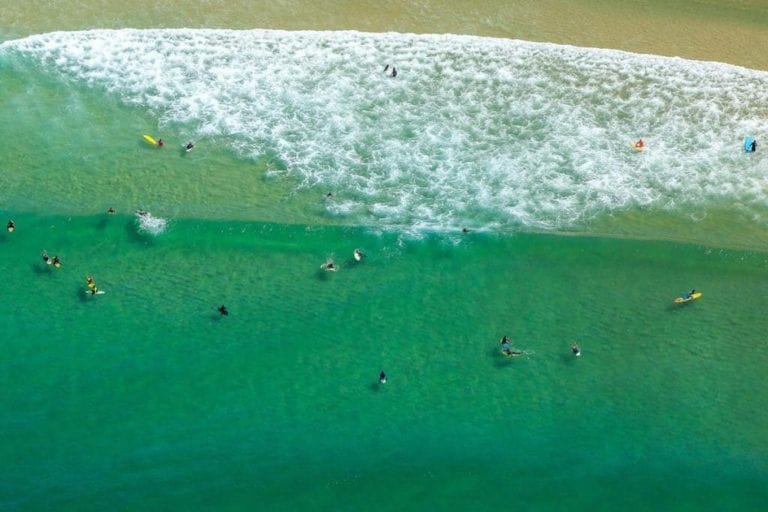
[150, 139]
[682, 299]
[358, 255]
[98, 292]
[748, 143]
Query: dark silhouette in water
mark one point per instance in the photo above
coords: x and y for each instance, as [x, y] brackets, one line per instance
[223, 310]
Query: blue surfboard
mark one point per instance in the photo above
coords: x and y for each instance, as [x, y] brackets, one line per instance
[748, 143]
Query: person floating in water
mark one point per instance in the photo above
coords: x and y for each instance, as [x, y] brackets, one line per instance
[640, 144]
[223, 311]
[382, 377]
[329, 265]
[56, 262]
[11, 226]
[575, 349]
[160, 143]
[189, 146]
[111, 211]
[358, 255]
[753, 146]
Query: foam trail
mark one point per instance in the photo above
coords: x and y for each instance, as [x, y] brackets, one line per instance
[478, 132]
[148, 223]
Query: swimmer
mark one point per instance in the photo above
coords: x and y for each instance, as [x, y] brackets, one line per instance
[359, 255]
[382, 377]
[111, 211]
[160, 143]
[46, 258]
[329, 265]
[329, 195]
[575, 349]
[56, 262]
[11, 226]
[223, 310]
[189, 146]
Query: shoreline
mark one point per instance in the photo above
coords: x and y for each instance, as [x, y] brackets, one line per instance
[733, 33]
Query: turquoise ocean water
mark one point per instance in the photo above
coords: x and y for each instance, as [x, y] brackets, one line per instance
[146, 399]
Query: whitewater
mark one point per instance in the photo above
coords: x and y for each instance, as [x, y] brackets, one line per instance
[472, 132]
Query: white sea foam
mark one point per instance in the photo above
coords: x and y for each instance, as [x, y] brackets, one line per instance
[473, 131]
[148, 223]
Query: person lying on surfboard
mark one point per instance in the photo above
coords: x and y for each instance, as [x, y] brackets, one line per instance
[689, 294]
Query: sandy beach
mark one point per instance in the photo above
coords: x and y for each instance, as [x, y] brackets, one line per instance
[728, 31]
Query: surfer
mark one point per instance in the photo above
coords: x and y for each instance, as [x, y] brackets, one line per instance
[640, 144]
[394, 72]
[329, 265]
[223, 310]
[689, 295]
[505, 347]
[11, 226]
[329, 195]
[189, 146]
[142, 213]
[160, 143]
[91, 285]
[382, 377]
[359, 255]
[56, 262]
[575, 349]
[753, 146]
[111, 210]
[46, 258]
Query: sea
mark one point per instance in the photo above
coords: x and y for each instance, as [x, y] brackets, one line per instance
[493, 190]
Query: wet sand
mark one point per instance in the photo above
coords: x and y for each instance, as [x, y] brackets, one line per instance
[728, 31]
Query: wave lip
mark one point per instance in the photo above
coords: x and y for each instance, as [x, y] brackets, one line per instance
[473, 131]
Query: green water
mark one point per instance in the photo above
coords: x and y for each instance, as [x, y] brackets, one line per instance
[145, 398]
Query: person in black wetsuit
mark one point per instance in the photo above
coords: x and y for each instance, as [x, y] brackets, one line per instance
[223, 310]
[753, 146]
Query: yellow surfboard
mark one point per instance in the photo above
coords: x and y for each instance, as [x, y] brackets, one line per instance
[687, 298]
[150, 139]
